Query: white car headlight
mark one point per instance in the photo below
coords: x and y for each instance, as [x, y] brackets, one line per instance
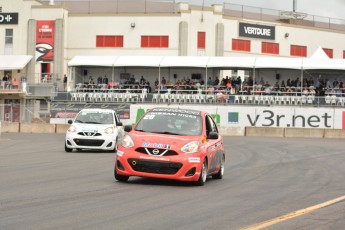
[127, 142]
[72, 129]
[191, 147]
[109, 130]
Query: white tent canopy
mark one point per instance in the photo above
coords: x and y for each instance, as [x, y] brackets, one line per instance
[184, 61]
[319, 54]
[138, 61]
[278, 63]
[93, 61]
[315, 62]
[14, 62]
[231, 62]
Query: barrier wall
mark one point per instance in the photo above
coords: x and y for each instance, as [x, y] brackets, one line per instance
[227, 131]
[237, 120]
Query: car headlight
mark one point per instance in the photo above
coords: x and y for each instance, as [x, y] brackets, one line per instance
[127, 142]
[191, 147]
[72, 129]
[109, 130]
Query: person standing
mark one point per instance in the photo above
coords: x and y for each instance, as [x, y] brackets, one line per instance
[64, 82]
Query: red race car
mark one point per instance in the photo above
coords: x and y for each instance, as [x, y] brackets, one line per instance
[172, 143]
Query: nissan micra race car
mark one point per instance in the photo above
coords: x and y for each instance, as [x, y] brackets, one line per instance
[171, 143]
[94, 129]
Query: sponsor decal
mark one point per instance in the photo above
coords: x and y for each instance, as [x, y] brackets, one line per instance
[155, 158]
[268, 118]
[155, 145]
[120, 153]
[233, 117]
[194, 159]
[89, 130]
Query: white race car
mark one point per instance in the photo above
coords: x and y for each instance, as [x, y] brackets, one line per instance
[98, 129]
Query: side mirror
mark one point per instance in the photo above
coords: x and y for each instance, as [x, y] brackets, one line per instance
[213, 136]
[69, 121]
[119, 124]
[128, 128]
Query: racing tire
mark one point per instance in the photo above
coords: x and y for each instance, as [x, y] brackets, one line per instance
[220, 173]
[119, 177]
[68, 149]
[203, 174]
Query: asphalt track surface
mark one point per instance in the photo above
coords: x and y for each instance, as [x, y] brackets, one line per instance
[43, 187]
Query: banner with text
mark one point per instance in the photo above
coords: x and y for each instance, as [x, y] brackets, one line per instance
[45, 41]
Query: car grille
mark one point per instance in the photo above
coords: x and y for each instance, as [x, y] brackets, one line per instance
[150, 150]
[89, 134]
[157, 167]
[86, 142]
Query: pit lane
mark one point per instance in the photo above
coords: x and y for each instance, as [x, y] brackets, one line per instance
[43, 187]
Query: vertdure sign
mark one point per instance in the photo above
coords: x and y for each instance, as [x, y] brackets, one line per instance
[257, 31]
[8, 18]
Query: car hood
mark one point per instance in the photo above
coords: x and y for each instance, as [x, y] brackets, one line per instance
[164, 141]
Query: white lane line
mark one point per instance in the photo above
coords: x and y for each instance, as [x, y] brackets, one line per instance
[294, 214]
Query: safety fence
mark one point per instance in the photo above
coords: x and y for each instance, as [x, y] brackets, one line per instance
[26, 114]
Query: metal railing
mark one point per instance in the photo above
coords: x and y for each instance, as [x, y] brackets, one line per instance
[201, 97]
[271, 15]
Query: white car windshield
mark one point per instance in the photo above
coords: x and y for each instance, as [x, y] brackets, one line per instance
[94, 117]
[176, 123]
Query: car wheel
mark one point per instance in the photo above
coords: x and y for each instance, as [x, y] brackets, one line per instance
[119, 177]
[220, 173]
[68, 149]
[203, 174]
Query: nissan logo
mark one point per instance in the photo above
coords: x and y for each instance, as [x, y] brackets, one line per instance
[155, 151]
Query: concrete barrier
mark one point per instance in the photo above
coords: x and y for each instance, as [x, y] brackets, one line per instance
[264, 132]
[233, 131]
[334, 133]
[37, 128]
[62, 128]
[12, 127]
[307, 133]
[15, 127]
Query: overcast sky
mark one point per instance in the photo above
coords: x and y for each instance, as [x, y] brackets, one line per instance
[326, 8]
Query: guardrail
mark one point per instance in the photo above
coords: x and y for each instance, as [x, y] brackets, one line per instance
[200, 97]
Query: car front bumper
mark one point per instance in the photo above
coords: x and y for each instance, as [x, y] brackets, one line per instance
[184, 167]
[102, 142]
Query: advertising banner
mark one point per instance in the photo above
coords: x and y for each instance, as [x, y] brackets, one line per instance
[256, 31]
[8, 18]
[60, 113]
[45, 41]
[271, 117]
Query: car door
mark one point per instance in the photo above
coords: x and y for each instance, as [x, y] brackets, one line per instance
[214, 149]
[119, 127]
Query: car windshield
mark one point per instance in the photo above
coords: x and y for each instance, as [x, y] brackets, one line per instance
[94, 117]
[175, 123]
